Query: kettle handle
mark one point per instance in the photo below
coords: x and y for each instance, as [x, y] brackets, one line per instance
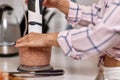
[4, 7]
[1, 13]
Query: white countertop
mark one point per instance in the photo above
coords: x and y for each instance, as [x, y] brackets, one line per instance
[74, 70]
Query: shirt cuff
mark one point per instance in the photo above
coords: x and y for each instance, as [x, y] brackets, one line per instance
[65, 42]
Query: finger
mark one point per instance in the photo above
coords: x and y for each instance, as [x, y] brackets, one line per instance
[22, 39]
[26, 1]
[44, 2]
[22, 44]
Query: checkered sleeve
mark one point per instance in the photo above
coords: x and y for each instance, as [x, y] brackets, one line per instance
[92, 40]
[83, 15]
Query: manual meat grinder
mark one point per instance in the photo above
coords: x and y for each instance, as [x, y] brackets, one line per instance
[35, 59]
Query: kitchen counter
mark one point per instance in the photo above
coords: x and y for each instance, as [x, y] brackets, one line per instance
[74, 69]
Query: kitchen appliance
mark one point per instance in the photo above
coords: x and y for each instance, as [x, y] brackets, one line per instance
[31, 58]
[56, 72]
[9, 31]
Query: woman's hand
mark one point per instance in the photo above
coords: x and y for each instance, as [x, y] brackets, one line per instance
[37, 40]
[51, 3]
[26, 1]
[48, 3]
[62, 5]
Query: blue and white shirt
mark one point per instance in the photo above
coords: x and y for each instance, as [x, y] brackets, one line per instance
[102, 34]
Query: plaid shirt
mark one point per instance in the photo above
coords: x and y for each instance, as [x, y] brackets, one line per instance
[102, 34]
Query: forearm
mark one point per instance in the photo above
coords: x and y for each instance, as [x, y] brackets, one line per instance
[85, 42]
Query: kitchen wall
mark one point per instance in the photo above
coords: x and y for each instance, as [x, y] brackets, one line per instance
[86, 2]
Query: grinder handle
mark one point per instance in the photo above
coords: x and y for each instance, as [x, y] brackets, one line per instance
[35, 16]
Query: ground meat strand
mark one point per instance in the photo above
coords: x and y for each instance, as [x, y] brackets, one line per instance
[35, 56]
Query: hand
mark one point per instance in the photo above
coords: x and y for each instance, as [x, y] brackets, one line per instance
[50, 3]
[37, 40]
[62, 5]
[47, 3]
[26, 1]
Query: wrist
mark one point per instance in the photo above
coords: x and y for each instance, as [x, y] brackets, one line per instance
[52, 39]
